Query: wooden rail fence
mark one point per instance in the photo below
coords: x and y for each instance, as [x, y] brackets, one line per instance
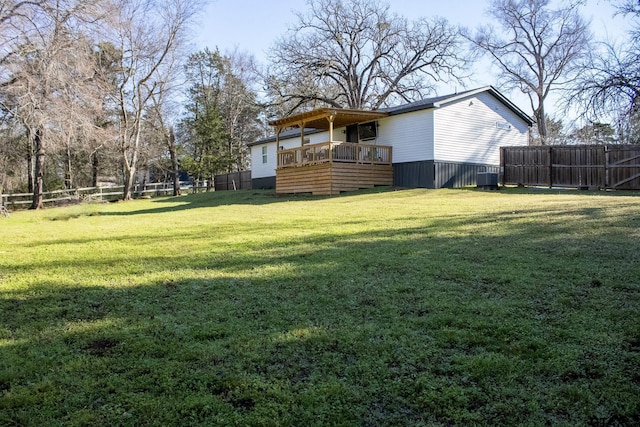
[21, 200]
[584, 166]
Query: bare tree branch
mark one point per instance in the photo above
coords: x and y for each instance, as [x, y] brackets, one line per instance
[537, 49]
[357, 54]
[146, 32]
[608, 85]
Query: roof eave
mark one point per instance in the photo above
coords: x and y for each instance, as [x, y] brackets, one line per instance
[320, 118]
[272, 138]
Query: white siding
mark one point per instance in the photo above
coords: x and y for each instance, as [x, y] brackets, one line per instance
[259, 169]
[262, 170]
[410, 135]
[317, 138]
[472, 130]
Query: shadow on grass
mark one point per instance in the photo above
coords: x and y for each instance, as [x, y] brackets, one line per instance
[224, 198]
[403, 326]
[569, 191]
[265, 197]
[546, 235]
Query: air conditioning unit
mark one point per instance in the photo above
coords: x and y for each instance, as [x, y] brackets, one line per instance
[487, 180]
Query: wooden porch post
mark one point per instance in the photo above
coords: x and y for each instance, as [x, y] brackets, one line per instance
[301, 125]
[278, 130]
[331, 118]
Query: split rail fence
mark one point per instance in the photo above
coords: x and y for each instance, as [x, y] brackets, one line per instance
[584, 166]
[22, 200]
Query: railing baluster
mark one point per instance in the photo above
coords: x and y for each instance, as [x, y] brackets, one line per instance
[334, 152]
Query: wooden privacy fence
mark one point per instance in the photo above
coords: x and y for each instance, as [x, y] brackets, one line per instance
[583, 166]
[233, 181]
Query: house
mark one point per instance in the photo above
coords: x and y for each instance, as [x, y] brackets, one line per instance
[437, 142]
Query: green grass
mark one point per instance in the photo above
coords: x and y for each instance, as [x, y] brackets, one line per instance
[397, 308]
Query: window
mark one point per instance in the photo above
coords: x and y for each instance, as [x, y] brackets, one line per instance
[367, 131]
[264, 154]
[362, 132]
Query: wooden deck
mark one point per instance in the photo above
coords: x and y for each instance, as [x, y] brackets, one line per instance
[333, 167]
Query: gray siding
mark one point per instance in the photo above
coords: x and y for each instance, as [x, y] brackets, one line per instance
[454, 175]
[413, 174]
[430, 174]
[265, 183]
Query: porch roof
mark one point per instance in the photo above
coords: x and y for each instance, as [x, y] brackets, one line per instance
[327, 118]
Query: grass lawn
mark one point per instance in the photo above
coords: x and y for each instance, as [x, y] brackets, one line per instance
[376, 308]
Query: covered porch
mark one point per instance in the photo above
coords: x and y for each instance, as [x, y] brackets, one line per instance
[333, 166]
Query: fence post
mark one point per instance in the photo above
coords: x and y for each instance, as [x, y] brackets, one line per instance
[501, 170]
[606, 178]
[550, 180]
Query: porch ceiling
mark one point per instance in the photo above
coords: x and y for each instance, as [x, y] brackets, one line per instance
[321, 118]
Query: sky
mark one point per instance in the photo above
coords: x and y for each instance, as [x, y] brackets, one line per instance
[253, 26]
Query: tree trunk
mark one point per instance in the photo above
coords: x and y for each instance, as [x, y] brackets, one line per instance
[94, 168]
[541, 122]
[128, 182]
[175, 168]
[68, 182]
[30, 164]
[129, 170]
[130, 147]
[38, 171]
[196, 184]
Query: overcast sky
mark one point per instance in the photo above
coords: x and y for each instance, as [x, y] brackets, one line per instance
[253, 25]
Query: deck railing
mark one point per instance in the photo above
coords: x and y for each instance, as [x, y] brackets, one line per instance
[327, 152]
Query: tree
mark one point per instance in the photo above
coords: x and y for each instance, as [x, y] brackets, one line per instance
[160, 116]
[594, 133]
[64, 88]
[608, 88]
[103, 153]
[74, 109]
[537, 49]
[555, 133]
[12, 144]
[221, 113]
[357, 54]
[608, 85]
[238, 106]
[160, 110]
[49, 83]
[147, 32]
[16, 17]
[202, 129]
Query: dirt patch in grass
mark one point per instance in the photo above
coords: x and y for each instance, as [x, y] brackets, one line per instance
[102, 346]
